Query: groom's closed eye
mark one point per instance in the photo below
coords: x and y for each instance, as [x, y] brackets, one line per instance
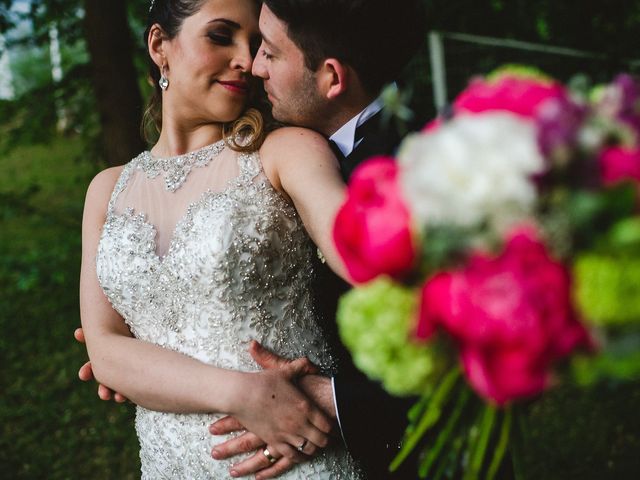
[265, 53]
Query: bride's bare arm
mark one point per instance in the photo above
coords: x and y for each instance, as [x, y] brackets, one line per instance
[300, 163]
[147, 374]
[165, 380]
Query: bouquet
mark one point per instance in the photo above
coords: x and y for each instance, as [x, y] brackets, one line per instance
[496, 256]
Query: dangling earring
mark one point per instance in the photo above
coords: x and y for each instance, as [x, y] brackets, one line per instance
[164, 81]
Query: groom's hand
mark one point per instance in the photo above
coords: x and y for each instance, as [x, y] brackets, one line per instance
[316, 387]
[85, 373]
[272, 407]
[248, 441]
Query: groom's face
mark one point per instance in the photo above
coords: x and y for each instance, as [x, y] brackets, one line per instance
[290, 85]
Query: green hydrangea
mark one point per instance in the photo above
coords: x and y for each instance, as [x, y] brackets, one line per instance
[607, 288]
[375, 321]
[518, 70]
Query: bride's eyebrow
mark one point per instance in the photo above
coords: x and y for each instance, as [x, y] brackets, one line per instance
[226, 21]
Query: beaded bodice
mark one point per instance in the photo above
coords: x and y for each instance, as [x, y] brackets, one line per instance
[236, 266]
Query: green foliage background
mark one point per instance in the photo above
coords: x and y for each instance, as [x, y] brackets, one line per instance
[54, 427]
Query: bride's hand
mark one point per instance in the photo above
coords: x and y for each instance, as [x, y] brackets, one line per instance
[258, 464]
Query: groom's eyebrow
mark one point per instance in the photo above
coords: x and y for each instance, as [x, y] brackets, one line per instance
[269, 43]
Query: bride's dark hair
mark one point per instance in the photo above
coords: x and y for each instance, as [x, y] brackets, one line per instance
[250, 126]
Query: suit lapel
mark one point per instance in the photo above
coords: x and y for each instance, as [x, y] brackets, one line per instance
[376, 141]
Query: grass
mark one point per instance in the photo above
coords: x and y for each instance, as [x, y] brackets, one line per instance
[53, 426]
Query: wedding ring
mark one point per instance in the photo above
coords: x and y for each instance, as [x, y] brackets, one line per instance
[266, 453]
[302, 445]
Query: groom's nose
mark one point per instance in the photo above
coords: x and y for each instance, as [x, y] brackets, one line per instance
[259, 68]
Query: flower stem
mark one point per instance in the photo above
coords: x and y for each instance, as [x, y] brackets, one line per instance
[517, 441]
[479, 447]
[430, 417]
[452, 459]
[444, 436]
[501, 447]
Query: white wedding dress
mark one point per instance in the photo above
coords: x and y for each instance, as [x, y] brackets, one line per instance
[200, 254]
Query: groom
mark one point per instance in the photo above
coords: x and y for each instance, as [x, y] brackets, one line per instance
[323, 63]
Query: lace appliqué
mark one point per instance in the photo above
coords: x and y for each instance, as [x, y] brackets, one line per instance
[238, 268]
[176, 169]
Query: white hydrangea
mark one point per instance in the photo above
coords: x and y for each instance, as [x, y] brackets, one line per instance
[471, 169]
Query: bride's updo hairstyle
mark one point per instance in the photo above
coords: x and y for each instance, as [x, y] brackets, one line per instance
[249, 128]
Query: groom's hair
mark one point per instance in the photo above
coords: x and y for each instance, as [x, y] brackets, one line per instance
[377, 38]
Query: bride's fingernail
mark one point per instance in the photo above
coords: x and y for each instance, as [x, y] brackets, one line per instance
[234, 473]
[215, 454]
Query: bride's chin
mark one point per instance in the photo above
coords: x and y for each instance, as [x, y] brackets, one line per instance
[225, 115]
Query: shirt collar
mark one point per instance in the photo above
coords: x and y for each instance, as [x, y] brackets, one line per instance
[344, 137]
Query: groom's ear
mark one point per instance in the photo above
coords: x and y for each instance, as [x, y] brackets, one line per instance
[333, 78]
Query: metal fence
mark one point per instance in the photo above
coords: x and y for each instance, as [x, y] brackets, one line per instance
[455, 57]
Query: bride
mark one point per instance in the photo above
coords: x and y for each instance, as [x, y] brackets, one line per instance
[199, 246]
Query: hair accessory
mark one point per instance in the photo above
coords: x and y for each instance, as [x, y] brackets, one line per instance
[152, 4]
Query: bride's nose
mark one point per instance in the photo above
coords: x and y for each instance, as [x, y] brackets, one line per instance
[242, 59]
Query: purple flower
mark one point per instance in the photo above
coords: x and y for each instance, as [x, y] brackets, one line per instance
[559, 120]
[629, 95]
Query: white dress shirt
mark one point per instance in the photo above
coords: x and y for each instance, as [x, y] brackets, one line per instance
[344, 137]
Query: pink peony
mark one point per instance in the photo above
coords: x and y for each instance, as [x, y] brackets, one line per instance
[433, 125]
[618, 164]
[511, 316]
[531, 96]
[372, 229]
[519, 94]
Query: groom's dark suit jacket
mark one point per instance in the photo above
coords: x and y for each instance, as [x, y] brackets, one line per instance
[372, 421]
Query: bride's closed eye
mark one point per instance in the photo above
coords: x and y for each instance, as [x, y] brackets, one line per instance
[220, 38]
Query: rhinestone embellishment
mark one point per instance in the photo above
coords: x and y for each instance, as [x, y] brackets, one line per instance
[176, 169]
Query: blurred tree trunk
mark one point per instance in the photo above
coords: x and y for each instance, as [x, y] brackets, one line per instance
[114, 78]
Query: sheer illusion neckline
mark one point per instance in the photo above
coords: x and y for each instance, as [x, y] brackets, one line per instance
[176, 169]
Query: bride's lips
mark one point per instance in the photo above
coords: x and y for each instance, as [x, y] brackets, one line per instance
[236, 86]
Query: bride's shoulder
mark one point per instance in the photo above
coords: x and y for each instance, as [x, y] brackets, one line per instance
[101, 187]
[106, 179]
[293, 141]
[285, 147]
